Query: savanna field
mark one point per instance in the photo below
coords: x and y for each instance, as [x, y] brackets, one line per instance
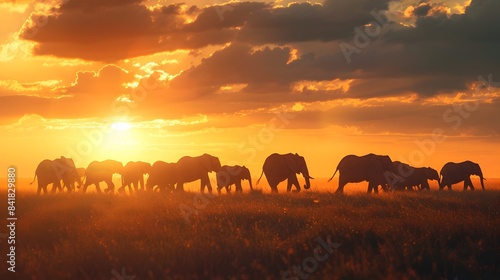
[402, 235]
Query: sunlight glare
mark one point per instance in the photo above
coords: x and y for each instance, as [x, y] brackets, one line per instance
[121, 126]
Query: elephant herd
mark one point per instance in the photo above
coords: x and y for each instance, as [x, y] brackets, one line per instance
[377, 170]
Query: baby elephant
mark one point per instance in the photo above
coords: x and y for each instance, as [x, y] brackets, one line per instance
[232, 175]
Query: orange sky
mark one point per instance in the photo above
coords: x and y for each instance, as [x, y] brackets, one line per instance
[157, 80]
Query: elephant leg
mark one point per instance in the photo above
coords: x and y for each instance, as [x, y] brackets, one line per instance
[111, 186]
[372, 187]
[342, 183]
[121, 189]
[238, 186]
[56, 185]
[292, 181]
[274, 185]
[468, 182]
[42, 187]
[84, 189]
[205, 181]
[97, 187]
[209, 185]
[141, 183]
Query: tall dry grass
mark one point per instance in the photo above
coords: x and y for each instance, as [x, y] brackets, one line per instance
[419, 235]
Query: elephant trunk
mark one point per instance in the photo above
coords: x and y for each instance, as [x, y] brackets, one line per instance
[79, 180]
[250, 182]
[480, 174]
[308, 182]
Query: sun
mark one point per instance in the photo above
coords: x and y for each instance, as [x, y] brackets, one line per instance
[121, 126]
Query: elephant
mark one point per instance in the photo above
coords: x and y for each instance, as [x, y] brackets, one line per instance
[280, 167]
[163, 175]
[99, 171]
[414, 176]
[81, 171]
[190, 169]
[133, 175]
[53, 171]
[376, 169]
[453, 173]
[232, 175]
[69, 180]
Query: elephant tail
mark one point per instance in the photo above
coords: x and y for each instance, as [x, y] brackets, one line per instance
[34, 178]
[333, 174]
[260, 176]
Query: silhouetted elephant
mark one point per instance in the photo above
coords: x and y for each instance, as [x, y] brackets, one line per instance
[163, 175]
[53, 171]
[232, 175]
[133, 175]
[453, 173]
[279, 167]
[376, 169]
[70, 180]
[190, 169]
[99, 171]
[414, 176]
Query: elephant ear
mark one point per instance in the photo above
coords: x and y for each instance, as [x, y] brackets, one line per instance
[206, 162]
[375, 163]
[291, 162]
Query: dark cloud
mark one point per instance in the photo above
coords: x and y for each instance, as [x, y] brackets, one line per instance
[301, 22]
[422, 9]
[112, 30]
[440, 54]
[93, 5]
[225, 16]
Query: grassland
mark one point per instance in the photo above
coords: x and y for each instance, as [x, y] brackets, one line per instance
[417, 235]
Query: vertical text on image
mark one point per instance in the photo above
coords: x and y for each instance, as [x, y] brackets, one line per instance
[11, 218]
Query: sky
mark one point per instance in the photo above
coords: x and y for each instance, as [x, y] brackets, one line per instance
[156, 80]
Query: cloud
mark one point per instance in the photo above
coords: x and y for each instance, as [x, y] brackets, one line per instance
[268, 55]
[422, 9]
[109, 80]
[114, 30]
[299, 22]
